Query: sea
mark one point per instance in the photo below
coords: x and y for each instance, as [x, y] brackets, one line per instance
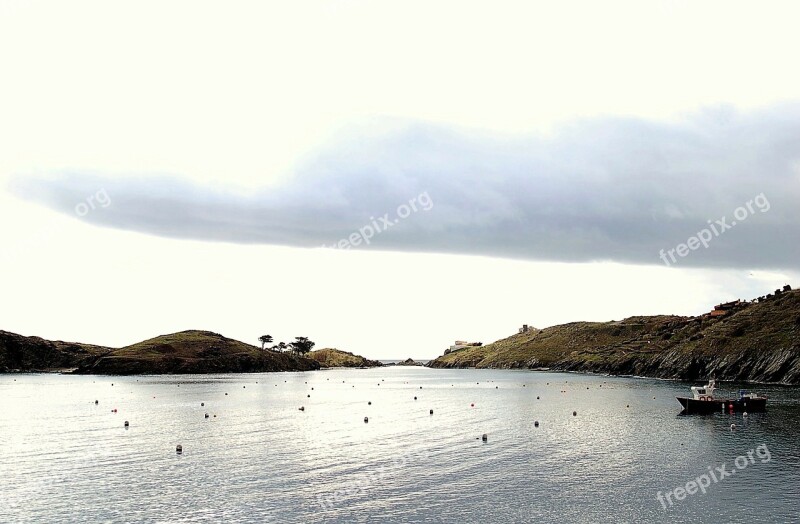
[392, 444]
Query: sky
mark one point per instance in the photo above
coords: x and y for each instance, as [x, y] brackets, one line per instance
[388, 177]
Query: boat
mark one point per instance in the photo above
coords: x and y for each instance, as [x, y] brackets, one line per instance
[704, 401]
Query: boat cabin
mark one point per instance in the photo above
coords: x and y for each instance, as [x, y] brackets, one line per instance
[704, 393]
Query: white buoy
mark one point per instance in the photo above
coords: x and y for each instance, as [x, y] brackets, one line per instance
[744, 414]
[733, 426]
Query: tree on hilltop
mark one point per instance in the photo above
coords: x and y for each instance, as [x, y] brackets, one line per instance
[264, 339]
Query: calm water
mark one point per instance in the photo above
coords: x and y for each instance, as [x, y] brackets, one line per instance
[65, 459]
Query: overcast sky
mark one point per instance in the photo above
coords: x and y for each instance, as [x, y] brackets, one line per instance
[478, 165]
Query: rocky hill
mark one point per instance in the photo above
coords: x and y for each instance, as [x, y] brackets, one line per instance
[335, 358]
[184, 352]
[20, 353]
[758, 342]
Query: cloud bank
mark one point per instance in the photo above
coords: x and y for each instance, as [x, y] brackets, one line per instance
[618, 189]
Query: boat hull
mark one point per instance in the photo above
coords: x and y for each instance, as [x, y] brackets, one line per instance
[751, 405]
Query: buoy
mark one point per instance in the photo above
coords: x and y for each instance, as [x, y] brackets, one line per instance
[179, 449]
[96, 402]
[537, 397]
[226, 394]
[744, 414]
[420, 387]
[302, 408]
[536, 423]
[627, 405]
[114, 410]
[415, 398]
[369, 403]
[366, 419]
[495, 387]
[312, 389]
[126, 424]
[574, 413]
[215, 415]
[244, 387]
[733, 426]
[309, 396]
[206, 415]
[202, 404]
[484, 437]
[431, 412]
[472, 405]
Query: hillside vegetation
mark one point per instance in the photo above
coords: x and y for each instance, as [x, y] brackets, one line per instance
[759, 343]
[335, 358]
[185, 352]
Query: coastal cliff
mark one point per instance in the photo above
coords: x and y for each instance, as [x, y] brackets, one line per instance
[755, 342]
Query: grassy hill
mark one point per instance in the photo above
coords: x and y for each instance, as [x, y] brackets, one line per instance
[184, 352]
[759, 342]
[335, 358]
[20, 353]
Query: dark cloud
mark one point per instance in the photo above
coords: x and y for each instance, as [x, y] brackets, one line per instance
[602, 189]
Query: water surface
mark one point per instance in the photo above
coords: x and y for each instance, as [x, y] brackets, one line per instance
[257, 458]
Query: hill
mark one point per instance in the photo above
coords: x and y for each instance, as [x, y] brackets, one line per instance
[335, 358]
[20, 353]
[758, 342]
[184, 352]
